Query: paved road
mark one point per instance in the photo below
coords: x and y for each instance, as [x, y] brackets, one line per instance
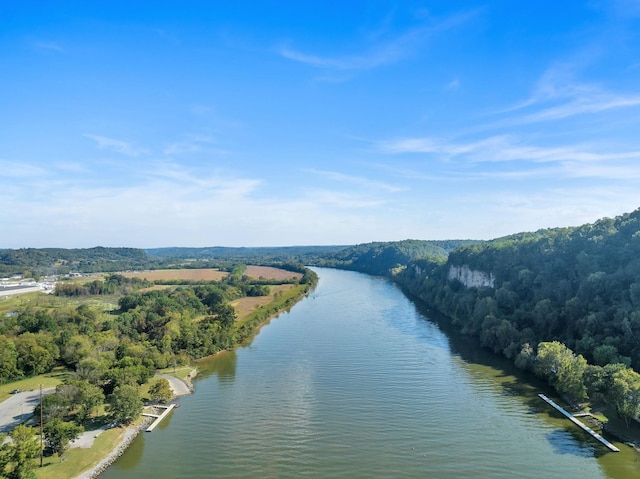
[19, 407]
[179, 387]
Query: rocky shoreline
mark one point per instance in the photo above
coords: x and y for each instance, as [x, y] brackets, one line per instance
[128, 437]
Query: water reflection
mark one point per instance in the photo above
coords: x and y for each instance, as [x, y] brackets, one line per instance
[222, 364]
[563, 442]
[134, 453]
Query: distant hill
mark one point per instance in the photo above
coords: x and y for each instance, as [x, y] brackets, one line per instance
[382, 258]
[277, 254]
[60, 260]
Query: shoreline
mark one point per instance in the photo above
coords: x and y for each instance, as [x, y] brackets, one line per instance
[132, 432]
[129, 434]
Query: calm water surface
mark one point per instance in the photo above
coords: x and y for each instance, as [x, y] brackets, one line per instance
[355, 382]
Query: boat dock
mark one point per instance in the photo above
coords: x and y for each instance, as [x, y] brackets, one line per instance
[159, 417]
[580, 424]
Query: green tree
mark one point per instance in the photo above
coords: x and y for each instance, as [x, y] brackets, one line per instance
[125, 404]
[161, 391]
[562, 368]
[8, 359]
[19, 453]
[624, 394]
[88, 398]
[59, 433]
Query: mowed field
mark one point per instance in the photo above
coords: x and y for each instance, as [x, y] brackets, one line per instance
[268, 272]
[207, 274]
[244, 306]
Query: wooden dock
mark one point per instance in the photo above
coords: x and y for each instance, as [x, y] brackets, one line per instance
[580, 424]
[159, 417]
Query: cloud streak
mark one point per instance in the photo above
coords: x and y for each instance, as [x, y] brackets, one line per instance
[577, 161]
[381, 53]
[357, 180]
[118, 146]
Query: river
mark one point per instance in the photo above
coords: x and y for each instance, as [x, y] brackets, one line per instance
[356, 382]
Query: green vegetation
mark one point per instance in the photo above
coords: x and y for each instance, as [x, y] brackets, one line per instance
[563, 303]
[108, 355]
[381, 259]
[17, 455]
[62, 261]
[160, 391]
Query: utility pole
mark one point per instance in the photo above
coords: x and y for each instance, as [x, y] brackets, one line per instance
[41, 438]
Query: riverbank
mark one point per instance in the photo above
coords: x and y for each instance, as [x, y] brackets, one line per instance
[181, 384]
[128, 436]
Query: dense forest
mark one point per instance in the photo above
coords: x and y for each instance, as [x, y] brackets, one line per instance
[564, 303]
[253, 255]
[48, 261]
[383, 259]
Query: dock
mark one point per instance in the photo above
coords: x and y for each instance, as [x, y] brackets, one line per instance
[159, 417]
[580, 424]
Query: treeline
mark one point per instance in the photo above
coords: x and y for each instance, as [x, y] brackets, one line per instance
[383, 259]
[614, 384]
[112, 284]
[62, 261]
[579, 286]
[252, 255]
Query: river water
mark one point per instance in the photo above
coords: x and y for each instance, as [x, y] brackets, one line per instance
[356, 382]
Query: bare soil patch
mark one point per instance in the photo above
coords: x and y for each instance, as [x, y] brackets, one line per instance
[207, 274]
[268, 272]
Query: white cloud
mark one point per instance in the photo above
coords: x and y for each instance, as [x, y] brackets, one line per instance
[557, 95]
[193, 144]
[383, 52]
[453, 85]
[15, 169]
[49, 46]
[357, 180]
[570, 161]
[119, 146]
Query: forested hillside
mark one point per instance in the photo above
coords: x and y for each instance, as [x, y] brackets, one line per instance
[61, 261]
[276, 254]
[382, 258]
[563, 303]
[578, 285]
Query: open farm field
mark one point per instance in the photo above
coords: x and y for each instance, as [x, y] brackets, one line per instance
[207, 274]
[244, 306]
[268, 272]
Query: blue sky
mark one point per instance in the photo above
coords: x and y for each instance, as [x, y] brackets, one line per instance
[254, 123]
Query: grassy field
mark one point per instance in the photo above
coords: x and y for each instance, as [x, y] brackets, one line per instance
[49, 380]
[245, 306]
[268, 272]
[77, 460]
[207, 274]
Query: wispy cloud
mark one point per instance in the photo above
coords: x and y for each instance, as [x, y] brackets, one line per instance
[557, 95]
[357, 180]
[119, 146]
[193, 144]
[14, 169]
[577, 161]
[382, 52]
[453, 85]
[49, 46]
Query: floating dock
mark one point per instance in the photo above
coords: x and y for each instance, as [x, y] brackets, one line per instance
[579, 424]
[159, 417]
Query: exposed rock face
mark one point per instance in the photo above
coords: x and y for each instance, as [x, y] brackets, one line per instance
[470, 278]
